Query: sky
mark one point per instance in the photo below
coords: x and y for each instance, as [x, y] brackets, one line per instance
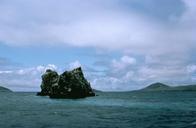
[121, 45]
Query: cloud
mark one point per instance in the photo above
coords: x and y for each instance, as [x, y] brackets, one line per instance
[128, 60]
[27, 79]
[191, 68]
[188, 16]
[92, 24]
[5, 72]
[99, 24]
[102, 83]
[127, 75]
[42, 68]
[36, 70]
[155, 44]
[123, 63]
[144, 72]
[74, 64]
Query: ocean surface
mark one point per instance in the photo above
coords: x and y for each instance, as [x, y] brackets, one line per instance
[108, 110]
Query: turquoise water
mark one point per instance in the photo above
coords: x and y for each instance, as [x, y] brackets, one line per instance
[108, 110]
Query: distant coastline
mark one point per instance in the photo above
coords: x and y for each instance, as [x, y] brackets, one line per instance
[4, 89]
[163, 87]
[152, 87]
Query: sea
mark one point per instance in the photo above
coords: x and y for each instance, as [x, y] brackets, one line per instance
[171, 109]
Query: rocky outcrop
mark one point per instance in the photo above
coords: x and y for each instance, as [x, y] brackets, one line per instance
[70, 84]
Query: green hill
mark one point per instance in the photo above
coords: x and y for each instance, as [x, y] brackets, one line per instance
[185, 88]
[163, 87]
[3, 89]
[156, 87]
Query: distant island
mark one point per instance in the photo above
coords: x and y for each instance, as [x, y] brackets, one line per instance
[3, 89]
[70, 84]
[163, 87]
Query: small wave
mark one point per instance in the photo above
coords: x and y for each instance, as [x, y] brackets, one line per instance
[193, 123]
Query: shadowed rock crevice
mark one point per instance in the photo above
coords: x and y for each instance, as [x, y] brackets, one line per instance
[70, 84]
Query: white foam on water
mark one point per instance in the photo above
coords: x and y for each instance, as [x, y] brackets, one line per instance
[193, 123]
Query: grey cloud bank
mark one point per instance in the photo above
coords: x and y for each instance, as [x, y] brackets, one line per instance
[93, 23]
[164, 35]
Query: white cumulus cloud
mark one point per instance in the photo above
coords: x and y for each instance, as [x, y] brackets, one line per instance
[74, 64]
[124, 62]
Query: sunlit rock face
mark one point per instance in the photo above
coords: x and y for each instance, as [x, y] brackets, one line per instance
[70, 84]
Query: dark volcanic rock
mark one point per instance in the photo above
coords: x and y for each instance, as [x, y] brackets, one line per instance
[70, 84]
